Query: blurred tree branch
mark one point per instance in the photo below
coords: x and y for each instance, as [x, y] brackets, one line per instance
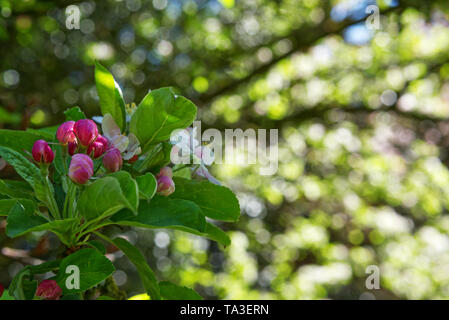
[320, 111]
[302, 39]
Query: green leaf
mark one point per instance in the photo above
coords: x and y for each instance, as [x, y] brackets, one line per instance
[45, 267]
[48, 133]
[61, 168]
[214, 233]
[162, 212]
[159, 114]
[7, 204]
[146, 274]
[19, 140]
[93, 267]
[22, 286]
[22, 220]
[16, 189]
[170, 291]
[27, 170]
[155, 159]
[6, 296]
[74, 114]
[110, 99]
[185, 173]
[129, 187]
[97, 245]
[216, 202]
[102, 198]
[147, 185]
[60, 196]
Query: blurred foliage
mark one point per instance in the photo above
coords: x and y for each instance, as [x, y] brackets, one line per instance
[362, 117]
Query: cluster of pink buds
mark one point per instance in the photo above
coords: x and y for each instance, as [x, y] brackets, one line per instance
[82, 137]
[49, 290]
[82, 141]
[165, 184]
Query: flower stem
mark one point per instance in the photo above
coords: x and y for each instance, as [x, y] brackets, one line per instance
[180, 167]
[51, 202]
[150, 154]
[69, 200]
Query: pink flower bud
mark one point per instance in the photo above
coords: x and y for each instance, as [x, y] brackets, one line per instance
[81, 168]
[86, 131]
[104, 141]
[42, 152]
[112, 160]
[98, 147]
[49, 290]
[65, 132]
[72, 147]
[1, 290]
[165, 186]
[165, 171]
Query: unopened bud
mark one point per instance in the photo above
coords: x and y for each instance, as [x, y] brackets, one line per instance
[165, 171]
[49, 290]
[112, 160]
[165, 186]
[81, 168]
[72, 147]
[42, 152]
[98, 147]
[86, 131]
[65, 133]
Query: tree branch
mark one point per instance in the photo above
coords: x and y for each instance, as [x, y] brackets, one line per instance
[307, 35]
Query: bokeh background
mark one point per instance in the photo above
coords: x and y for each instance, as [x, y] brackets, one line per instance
[363, 119]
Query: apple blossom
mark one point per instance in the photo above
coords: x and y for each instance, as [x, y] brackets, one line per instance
[133, 148]
[129, 145]
[112, 132]
[184, 142]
